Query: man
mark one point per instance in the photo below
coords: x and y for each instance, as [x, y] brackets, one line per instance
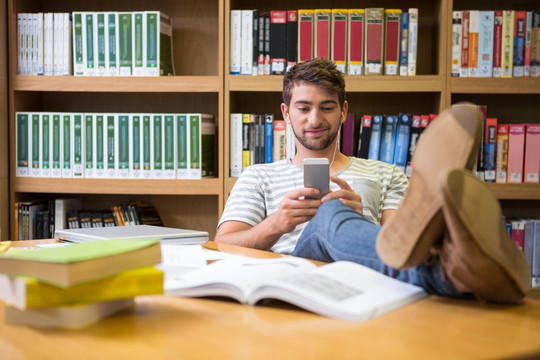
[267, 208]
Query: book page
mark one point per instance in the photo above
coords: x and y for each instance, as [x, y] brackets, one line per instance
[233, 277]
[343, 290]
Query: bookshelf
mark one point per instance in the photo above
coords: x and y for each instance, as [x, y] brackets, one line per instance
[511, 100]
[197, 87]
[203, 84]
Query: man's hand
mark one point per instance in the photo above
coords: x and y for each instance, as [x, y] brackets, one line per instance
[295, 209]
[346, 195]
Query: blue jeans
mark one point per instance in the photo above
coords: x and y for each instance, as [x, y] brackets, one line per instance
[337, 232]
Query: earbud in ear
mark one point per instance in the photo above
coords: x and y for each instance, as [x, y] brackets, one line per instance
[287, 114]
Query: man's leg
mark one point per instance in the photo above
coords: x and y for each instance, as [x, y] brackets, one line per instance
[339, 233]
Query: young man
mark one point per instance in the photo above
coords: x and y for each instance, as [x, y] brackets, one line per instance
[267, 208]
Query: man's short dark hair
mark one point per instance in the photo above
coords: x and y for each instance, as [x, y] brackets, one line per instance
[320, 72]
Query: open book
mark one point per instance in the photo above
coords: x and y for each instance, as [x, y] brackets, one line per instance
[342, 289]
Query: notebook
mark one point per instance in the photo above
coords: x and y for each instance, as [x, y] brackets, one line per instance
[134, 232]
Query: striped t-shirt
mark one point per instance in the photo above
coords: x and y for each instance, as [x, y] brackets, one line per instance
[260, 189]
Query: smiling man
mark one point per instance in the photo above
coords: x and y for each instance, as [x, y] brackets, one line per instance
[267, 208]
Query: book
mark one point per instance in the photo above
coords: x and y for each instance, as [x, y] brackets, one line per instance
[25, 292]
[518, 231]
[339, 38]
[490, 149]
[235, 144]
[516, 146]
[77, 263]
[35, 144]
[306, 26]
[78, 44]
[355, 42]
[375, 139]
[485, 43]
[520, 18]
[111, 45]
[125, 43]
[497, 42]
[278, 42]
[170, 144]
[67, 146]
[268, 138]
[474, 28]
[532, 154]
[138, 34]
[280, 141]
[246, 54]
[388, 139]
[364, 137]
[45, 153]
[235, 58]
[66, 317]
[159, 30]
[535, 44]
[374, 41]
[465, 17]
[261, 42]
[100, 44]
[418, 125]
[348, 135]
[535, 269]
[322, 33]
[391, 43]
[255, 43]
[479, 167]
[404, 46]
[56, 145]
[528, 43]
[61, 208]
[501, 165]
[403, 134]
[77, 131]
[22, 132]
[507, 43]
[342, 290]
[208, 146]
[413, 42]
[292, 38]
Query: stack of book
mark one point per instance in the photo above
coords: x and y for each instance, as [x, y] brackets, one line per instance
[500, 43]
[371, 41]
[526, 233]
[95, 44]
[112, 145]
[75, 285]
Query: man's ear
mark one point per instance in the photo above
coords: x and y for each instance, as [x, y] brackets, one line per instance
[285, 113]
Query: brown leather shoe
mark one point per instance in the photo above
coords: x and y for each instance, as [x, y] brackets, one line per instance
[451, 141]
[477, 254]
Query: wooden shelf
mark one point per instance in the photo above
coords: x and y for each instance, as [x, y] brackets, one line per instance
[495, 85]
[207, 186]
[515, 191]
[421, 83]
[188, 84]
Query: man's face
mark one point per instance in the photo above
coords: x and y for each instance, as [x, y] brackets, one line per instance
[315, 116]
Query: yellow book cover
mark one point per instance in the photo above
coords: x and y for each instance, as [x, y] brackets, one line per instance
[26, 292]
[507, 59]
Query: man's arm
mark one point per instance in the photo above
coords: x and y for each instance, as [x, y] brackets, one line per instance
[293, 210]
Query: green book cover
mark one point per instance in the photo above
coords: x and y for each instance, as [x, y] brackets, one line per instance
[67, 146]
[166, 65]
[123, 146]
[78, 54]
[56, 146]
[78, 149]
[135, 147]
[146, 146]
[138, 44]
[169, 146]
[101, 40]
[157, 138]
[112, 43]
[45, 145]
[182, 146]
[152, 43]
[23, 159]
[34, 165]
[195, 146]
[90, 55]
[89, 145]
[111, 145]
[100, 146]
[78, 263]
[125, 43]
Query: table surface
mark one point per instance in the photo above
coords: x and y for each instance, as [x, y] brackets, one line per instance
[161, 327]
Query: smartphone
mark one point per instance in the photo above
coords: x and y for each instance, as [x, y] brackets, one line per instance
[317, 175]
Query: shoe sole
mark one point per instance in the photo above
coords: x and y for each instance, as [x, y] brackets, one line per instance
[406, 239]
[499, 270]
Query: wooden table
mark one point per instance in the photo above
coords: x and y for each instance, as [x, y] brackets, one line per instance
[161, 327]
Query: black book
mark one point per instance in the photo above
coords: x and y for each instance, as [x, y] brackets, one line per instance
[292, 38]
[365, 136]
[109, 219]
[278, 42]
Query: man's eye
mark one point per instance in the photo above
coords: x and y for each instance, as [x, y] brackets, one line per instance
[328, 109]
